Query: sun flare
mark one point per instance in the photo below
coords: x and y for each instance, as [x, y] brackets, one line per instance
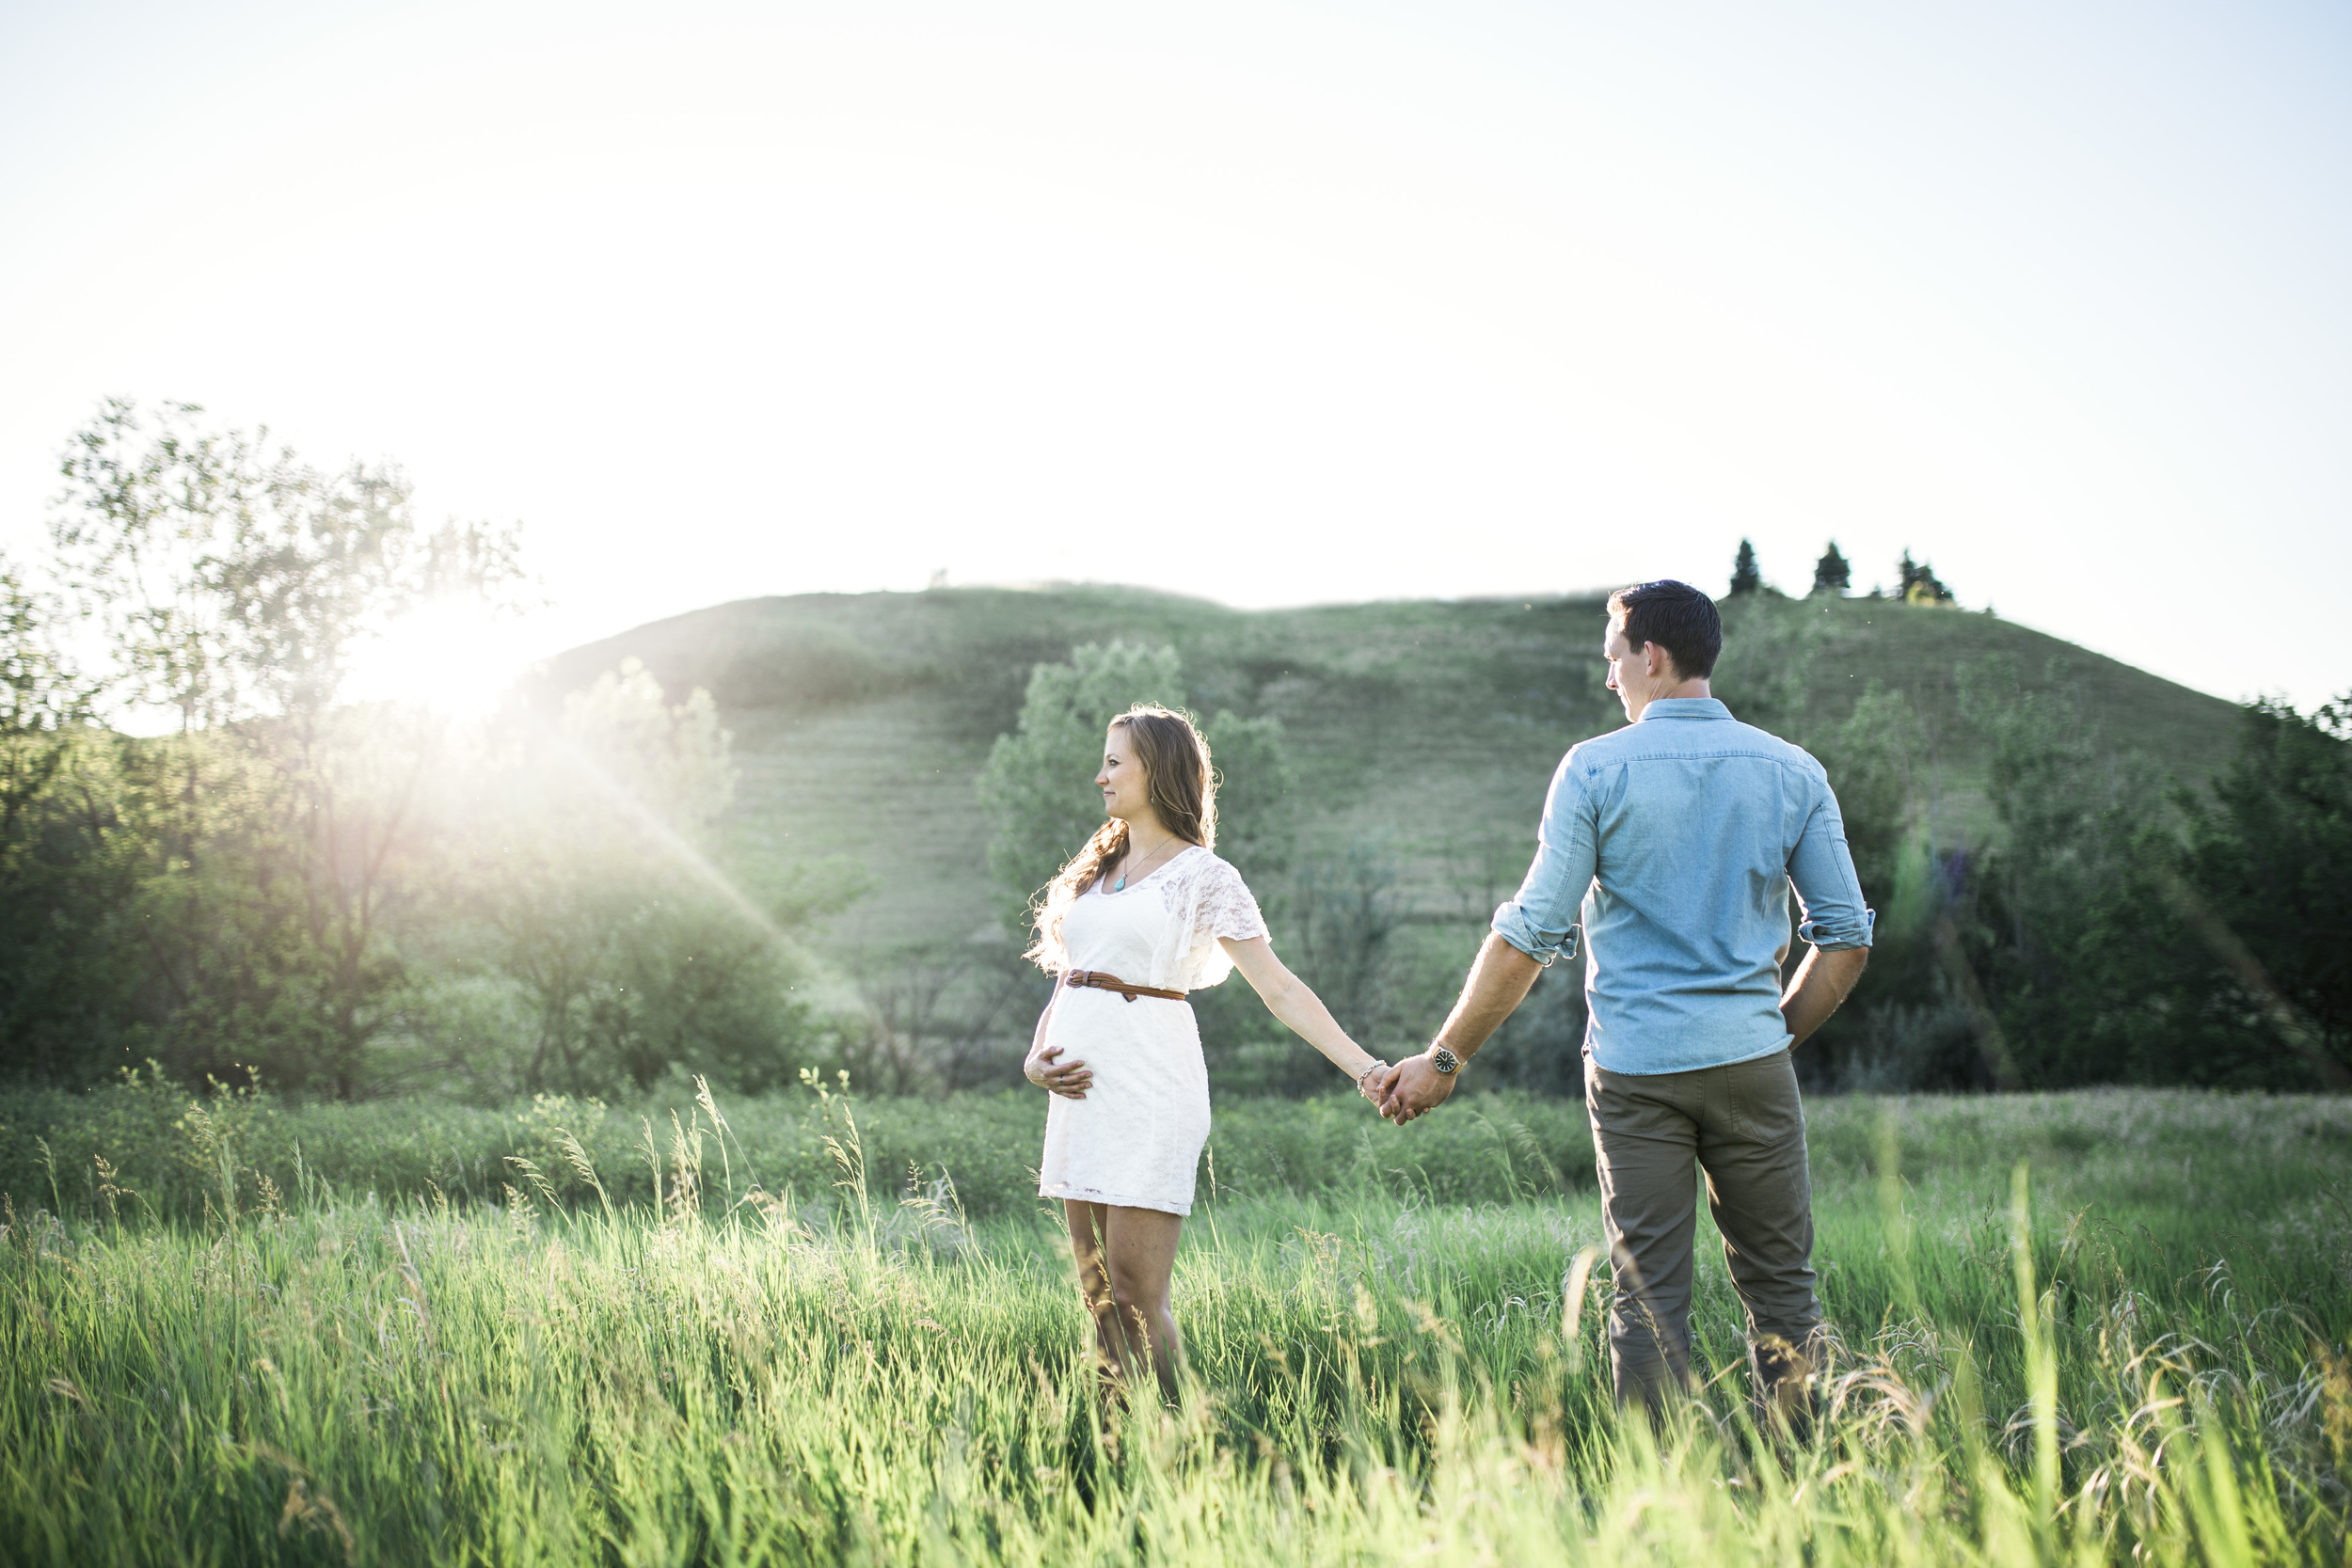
[455, 657]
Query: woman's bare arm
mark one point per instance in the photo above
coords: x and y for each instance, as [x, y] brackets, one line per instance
[1287, 998]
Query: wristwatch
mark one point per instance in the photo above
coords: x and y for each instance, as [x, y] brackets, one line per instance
[1445, 1061]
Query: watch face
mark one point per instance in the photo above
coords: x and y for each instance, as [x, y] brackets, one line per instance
[1444, 1060]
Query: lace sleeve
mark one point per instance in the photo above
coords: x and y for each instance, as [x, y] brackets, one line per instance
[1226, 909]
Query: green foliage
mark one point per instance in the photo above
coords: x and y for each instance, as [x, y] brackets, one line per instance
[39, 694]
[2109, 1369]
[292, 884]
[1746, 578]
[1875, 759]
[1766, 673]
[1909, 1023]
[1332, 914]
[2119, 928]
[589, 868]
[225, 894]
[230, 582]
[1038, 786]
[2268, 863]
[1421, 731]
[351, 900]
[1832, 574]
[1343, 914]
[2111, 924]
[2215, 952]
[53, 829]
[1257, 800]
[2065, 810]
[1918, 584]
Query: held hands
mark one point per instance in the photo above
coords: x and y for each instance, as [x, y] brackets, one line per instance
[1413, 1087]
[1070, 1080]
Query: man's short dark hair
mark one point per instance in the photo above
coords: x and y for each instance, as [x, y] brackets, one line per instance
[1676, 616]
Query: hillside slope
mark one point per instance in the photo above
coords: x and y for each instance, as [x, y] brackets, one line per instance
[1427, 729]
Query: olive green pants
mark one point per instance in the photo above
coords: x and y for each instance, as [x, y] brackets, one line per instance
[1743, 1126]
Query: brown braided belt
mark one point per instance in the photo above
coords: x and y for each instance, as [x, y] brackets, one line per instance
[1100, 981]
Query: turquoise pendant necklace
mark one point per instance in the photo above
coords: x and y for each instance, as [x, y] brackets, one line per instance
[1121, 885]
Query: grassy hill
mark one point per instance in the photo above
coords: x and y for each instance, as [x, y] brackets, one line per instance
[1425, 729]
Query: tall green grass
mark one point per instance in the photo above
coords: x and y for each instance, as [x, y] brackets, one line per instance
[165, 1147]
[2134, 1350]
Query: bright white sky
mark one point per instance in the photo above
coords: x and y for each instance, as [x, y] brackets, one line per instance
[1271, 303]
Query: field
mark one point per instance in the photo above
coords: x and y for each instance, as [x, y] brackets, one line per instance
[2092, 1327]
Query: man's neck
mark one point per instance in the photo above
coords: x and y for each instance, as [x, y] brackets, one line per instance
[1688, 688]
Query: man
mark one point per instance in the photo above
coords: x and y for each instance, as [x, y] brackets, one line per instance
[1673, 843]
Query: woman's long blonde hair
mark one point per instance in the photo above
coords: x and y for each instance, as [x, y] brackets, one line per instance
[1175, 763]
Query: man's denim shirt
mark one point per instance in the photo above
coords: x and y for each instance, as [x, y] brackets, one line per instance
[1675, 842]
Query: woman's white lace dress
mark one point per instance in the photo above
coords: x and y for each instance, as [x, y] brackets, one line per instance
[1135, 1140]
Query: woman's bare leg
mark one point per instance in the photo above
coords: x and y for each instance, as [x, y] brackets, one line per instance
[1125, 1258]
[1094, 1283]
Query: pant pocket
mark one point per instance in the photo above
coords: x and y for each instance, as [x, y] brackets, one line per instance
[1766, 1107]
[1606, 1101]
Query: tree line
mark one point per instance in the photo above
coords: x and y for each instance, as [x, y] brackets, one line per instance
[213, 855]
[2131, 919]
[2121, 924]
[2124, 925]
[336, 897]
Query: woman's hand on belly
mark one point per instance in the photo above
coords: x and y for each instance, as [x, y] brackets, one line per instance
[1070, 1080]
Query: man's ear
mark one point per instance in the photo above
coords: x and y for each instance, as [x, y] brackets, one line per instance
[1655, 660]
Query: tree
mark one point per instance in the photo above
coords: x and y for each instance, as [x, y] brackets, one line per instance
[1765, 670]
[1832, 574]
[63, 985]
[2123, 942]
[233, 588]
[1920, 584]
[1038, 784]
[593, 864]
[233, 584]
[137, 535]
[324, 890]
[40, 700]
[1745, 578]
[1039, 787]
[1347, 912]
[1910, 1023]
[1038, 781]
[1257, 819]
[2057, 803]
[2264, 887]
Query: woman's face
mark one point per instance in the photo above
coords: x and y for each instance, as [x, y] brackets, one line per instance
[1126, 793]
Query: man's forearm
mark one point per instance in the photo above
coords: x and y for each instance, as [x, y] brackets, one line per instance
[1498, 983]
[1823, 983]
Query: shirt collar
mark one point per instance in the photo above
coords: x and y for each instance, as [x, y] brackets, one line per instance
[1685, 708]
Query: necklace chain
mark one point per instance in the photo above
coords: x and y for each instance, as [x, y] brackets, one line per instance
[1128, 870]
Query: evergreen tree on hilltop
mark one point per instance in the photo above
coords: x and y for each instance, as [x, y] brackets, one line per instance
[1745, 578]
[1832, 573]
[1920, 584]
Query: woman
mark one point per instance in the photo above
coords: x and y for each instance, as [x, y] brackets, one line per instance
[1144, 914]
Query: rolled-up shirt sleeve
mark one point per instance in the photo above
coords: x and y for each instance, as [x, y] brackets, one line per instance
[1540, 921]
[1831, 913]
